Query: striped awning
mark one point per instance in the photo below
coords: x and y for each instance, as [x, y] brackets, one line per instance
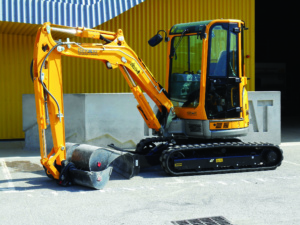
[75, 13]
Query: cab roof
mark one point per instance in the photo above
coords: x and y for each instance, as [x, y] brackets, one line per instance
[193, 27]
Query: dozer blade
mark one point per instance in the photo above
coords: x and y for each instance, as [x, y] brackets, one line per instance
[94, 165]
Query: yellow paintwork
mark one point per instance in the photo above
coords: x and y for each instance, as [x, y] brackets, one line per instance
[213, 125]
[117, 53]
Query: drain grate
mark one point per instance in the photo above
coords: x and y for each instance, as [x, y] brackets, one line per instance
[217, 220]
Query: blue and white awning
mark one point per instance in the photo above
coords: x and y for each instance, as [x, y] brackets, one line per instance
[75, 13]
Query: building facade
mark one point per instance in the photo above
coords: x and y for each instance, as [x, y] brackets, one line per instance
[139, 20]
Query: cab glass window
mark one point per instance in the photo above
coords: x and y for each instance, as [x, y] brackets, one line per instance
[185, 70]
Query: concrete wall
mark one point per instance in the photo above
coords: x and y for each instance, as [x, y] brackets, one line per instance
[265, 117]
[101, 119]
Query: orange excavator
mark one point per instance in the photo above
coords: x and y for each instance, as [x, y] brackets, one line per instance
[198, 116]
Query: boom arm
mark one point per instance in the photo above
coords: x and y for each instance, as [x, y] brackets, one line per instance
[115, 53]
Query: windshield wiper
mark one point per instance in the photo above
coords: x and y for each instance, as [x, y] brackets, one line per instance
[177, 44]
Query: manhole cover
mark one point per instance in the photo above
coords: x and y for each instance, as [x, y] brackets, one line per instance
[217, 220]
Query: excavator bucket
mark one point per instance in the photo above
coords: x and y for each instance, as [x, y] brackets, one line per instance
[92, 165]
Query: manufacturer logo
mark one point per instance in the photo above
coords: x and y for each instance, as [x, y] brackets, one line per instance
[82, 51]
[178, 164]
[135, 67]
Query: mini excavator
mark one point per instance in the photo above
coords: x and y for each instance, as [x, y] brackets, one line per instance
[198, 116]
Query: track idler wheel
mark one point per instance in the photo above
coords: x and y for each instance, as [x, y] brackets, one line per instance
[270, 157]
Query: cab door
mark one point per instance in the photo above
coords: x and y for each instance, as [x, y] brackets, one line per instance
[222, 84]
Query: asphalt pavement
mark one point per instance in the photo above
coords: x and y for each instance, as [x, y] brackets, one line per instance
[28, 196]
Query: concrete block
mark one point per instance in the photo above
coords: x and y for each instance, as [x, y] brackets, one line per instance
[265, 117]
[74, 120]
[101, 119]
[97, 119]
[113, 118]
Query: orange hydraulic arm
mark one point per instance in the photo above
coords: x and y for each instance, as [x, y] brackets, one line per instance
[115, 53]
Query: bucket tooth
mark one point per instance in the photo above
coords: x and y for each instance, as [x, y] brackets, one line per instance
[94, 165]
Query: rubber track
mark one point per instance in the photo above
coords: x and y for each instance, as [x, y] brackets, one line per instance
[147, 141]
[164, 158]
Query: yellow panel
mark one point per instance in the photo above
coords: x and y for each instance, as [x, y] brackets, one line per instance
[87, 76]
[18, 28]
[15, 57]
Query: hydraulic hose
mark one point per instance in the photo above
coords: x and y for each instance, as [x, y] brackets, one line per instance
[41, 80]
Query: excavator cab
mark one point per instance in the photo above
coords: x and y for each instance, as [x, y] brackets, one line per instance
[206, 80]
